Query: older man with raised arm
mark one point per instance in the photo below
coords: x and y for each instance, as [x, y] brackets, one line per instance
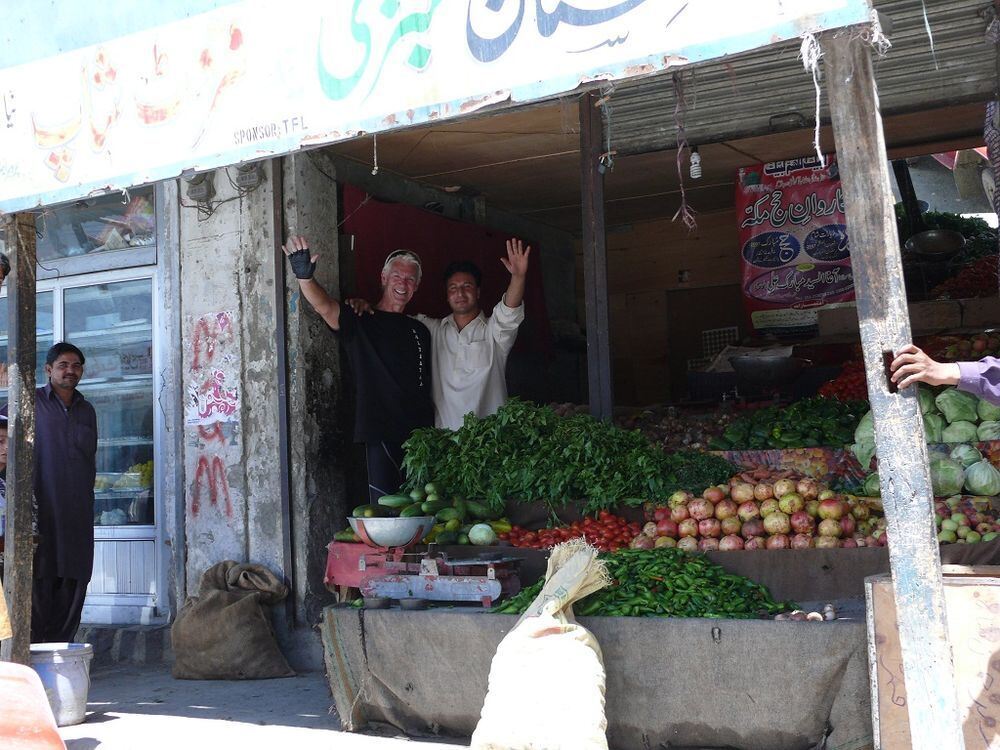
[390, 357]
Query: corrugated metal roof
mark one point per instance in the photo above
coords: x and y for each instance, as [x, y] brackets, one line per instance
[736, 96]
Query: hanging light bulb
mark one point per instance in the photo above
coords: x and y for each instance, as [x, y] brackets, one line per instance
[695, 164]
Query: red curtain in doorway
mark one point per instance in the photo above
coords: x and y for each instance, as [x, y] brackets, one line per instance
[379, 228]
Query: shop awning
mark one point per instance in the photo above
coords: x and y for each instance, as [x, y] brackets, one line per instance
[201, 84]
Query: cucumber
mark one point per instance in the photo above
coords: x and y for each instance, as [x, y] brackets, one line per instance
[346, 535]
[480, 510]
[416, 509]
[433, 506]
[453, 525]
[466, 528]
[395, 501]
[368, 511]
[461, 507]
[447, 537]
[418, 495]
[447, 514]
[463, 538]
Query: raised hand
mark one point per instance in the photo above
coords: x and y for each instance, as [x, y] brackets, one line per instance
[516, 261]
[303, 264]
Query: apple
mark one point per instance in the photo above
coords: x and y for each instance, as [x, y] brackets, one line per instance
[664, 541]
[802, 541]
[768, 507]
[753, 527]
[666, 527]
[791, 503]
[679, 513]
[731, 526]
[763, 492]
[831, 509]
[687, 527]
[755, 542]
[827, 542]
[708, 544]
[710, 527]
[829, 527]
[725, 509]
[783, 487]
[748, 511]
[730, 542]
[778, 541]
[802, 522]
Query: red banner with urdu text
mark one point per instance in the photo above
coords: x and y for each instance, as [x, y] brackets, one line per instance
[793, 242]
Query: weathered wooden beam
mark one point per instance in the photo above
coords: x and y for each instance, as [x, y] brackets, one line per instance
[20, 234]
[595, 260]
[935, 722]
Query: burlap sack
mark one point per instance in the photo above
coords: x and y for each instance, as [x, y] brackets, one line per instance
[225, 632]
[563, 709]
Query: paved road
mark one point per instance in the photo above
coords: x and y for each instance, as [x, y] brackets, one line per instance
[144, 708]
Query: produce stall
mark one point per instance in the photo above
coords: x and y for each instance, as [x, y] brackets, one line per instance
[760, 543]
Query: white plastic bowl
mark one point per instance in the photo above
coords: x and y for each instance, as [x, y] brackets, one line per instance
[394, 532]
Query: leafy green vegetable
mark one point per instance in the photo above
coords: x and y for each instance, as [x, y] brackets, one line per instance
[988, 412]
[966, 455]
[933, 427]
[982, 478]
[959, 432]
[871, 486]
[988, 431]
[958, 406]
[525, 453]
[925, 397]
[807, 423]
[947, 476]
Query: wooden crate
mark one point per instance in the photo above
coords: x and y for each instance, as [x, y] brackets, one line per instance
[972, 598]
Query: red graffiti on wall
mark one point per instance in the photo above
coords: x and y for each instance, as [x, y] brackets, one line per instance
[212, 434]
[209, 331]
[212, 474]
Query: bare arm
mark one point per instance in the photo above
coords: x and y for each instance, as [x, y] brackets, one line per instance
[516, 263]
[303, 264]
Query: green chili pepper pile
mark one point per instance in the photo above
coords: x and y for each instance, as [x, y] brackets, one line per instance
[665, 583]
[807, 423]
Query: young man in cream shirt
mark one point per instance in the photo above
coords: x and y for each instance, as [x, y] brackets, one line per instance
[470, 349]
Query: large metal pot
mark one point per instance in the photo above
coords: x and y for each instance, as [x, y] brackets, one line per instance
[767, 369]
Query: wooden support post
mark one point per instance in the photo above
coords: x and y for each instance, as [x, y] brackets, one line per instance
[883, 315]
[595, 260]
[20, 234]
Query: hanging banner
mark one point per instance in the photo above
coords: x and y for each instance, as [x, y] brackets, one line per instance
[152, 92]
[793, 241]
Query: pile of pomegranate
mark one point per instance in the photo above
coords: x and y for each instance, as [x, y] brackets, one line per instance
[763, 510]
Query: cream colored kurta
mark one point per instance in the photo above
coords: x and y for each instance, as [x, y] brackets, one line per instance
[468, 366]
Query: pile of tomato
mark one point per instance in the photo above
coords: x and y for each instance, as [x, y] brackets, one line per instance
[607, 532]
[849, 385]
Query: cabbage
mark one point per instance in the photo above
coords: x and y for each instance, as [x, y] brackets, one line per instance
[982, 478]
[933, 425]
[865, 431]
[988, 431]
[947, 476]
[482, 534]
[966, 455]
[959, 432]
[958, 406]
[864, 451]
[871, 487]
[988, 412]
[925, 397]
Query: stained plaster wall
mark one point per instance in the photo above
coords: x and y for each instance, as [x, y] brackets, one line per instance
[231, 482]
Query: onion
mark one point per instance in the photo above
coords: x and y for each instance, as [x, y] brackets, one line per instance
[777, 523]
[768, 507]
[861, 511]
[783, 487]
[688, 527]
[763, 491]
[753, 527]
[829, 527]
[731, 526]
[708, 544]
[748, 511]
[666, 527]
[660, 513]
[814, 617]
[643, 542]
[755, 542]
[801, 522]
[798, 616]
[700, 509]
[649, 530]
[742, 492]
[778, 541]
[730, 542]
[679, 513]
[831, 508]
[848, 543]
[710, 527]
[688, 544]
[871, 541]
[802, 541]
[725, 509]
[713, 494]
[791, 502]
[808, 488]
